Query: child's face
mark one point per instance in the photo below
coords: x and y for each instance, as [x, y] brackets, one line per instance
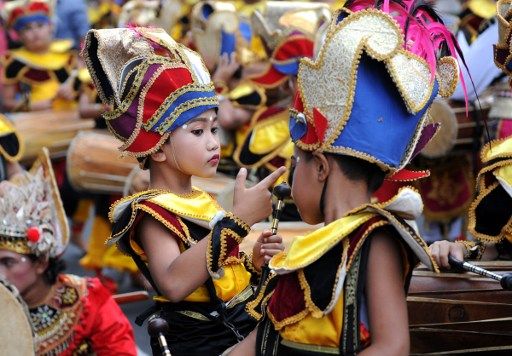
[306, 188]
[18, 269]
[195, 146]
[36, 36]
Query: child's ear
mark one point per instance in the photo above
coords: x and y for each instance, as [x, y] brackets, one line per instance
[322, 166]
[158, 156]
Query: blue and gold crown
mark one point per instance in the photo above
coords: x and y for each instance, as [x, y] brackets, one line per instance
[368, 92]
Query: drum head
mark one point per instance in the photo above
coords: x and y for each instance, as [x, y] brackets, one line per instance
[15, 329]
[446, 136]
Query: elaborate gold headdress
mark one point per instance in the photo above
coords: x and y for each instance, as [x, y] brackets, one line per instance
[368, 92]
[154, 84]
[32, 218]
[218, 29]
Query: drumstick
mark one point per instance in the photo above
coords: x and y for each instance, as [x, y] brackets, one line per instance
[281, 192]
[156, 328]
[505, 280]
[131, 297]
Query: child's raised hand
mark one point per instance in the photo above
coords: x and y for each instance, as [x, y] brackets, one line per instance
[265, 247]
[226, 68]
[440, 250]
[254, 204]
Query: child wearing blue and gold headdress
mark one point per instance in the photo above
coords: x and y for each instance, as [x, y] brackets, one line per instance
[164, 111]
[361, 113]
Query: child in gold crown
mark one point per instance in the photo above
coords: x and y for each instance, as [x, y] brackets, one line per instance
[359, 116]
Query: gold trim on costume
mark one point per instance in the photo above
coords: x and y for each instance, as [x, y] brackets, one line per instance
[310, 348]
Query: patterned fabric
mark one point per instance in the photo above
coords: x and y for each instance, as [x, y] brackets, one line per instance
[490, 218]
[318, 282]
[81, 318]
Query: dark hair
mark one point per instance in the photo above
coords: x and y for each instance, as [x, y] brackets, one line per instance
[55, 266]
[357, 169]
[144, 162]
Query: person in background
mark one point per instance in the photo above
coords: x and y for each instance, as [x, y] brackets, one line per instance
[69, 314]
[71, 21]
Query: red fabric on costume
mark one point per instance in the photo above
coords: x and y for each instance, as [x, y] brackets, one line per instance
[288, 298]
[110, 331]
[144, 141]
[37, 75]
[86, 320]
[296, 46]
[164, 213]
[164, 85]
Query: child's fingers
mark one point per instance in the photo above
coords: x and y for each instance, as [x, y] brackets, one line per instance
[274, 238]
[273, 245]
[240, 180]
[269, 180]
[265, 234]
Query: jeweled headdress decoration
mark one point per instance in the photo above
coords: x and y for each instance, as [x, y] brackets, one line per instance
[32, 218]
[153, 83]
[368, 92]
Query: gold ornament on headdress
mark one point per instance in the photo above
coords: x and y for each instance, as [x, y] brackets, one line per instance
[32, 218]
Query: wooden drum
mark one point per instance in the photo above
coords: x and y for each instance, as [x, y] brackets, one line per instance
[460, 313]
[52, 129]
[458, 132]
[95, 164]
